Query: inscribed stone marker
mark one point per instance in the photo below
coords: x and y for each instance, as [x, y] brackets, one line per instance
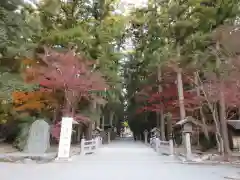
[38, 138]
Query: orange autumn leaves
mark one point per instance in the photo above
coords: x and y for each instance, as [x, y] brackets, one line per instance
[33, 101]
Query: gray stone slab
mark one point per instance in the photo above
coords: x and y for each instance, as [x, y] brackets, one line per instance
[39, 138]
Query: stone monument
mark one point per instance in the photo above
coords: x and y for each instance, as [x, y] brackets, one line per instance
[38, 138]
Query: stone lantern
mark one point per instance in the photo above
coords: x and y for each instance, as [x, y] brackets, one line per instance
[187, 125]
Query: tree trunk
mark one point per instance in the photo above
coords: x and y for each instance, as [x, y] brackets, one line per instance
[79, 132]
[56, 114]
[218, 129]
[222, 114]
[223, 122]
[111, 118]
[205, 130]
[215, 116]
[68, 103]
[180, 95]
[158, 119]
[169, 127]
[161, 117]
[180, 88]
[103, 123]
[162, 125]
[89, 131]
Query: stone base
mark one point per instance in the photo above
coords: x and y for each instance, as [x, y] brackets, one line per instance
[63, 159]
[19, 156]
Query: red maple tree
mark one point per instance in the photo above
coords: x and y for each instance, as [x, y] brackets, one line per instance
[168, 101]
[70, 74]
[207, 93]
[228, 83]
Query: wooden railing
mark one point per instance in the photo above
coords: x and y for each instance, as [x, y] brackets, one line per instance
[162, 147]
[90, 146]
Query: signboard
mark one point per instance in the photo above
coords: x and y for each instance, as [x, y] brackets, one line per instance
[65, 138]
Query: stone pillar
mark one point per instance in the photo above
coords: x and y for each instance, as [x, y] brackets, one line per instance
[65, 139]
[82, 147]
[109, 137]
[187, 140]
[171, 147]
[188, 146]
[97, 139]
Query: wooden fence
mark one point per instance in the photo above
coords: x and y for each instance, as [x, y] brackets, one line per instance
[90, 146]
[162, 147]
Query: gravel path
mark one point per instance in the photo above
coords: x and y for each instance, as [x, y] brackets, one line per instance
[120, 160]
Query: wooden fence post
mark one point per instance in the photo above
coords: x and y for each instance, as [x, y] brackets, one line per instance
[82, 146]
[157, 145]
[171, 147]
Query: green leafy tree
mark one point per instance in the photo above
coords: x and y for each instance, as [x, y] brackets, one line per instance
[175, 31]
[16, 30]
[92, 29]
